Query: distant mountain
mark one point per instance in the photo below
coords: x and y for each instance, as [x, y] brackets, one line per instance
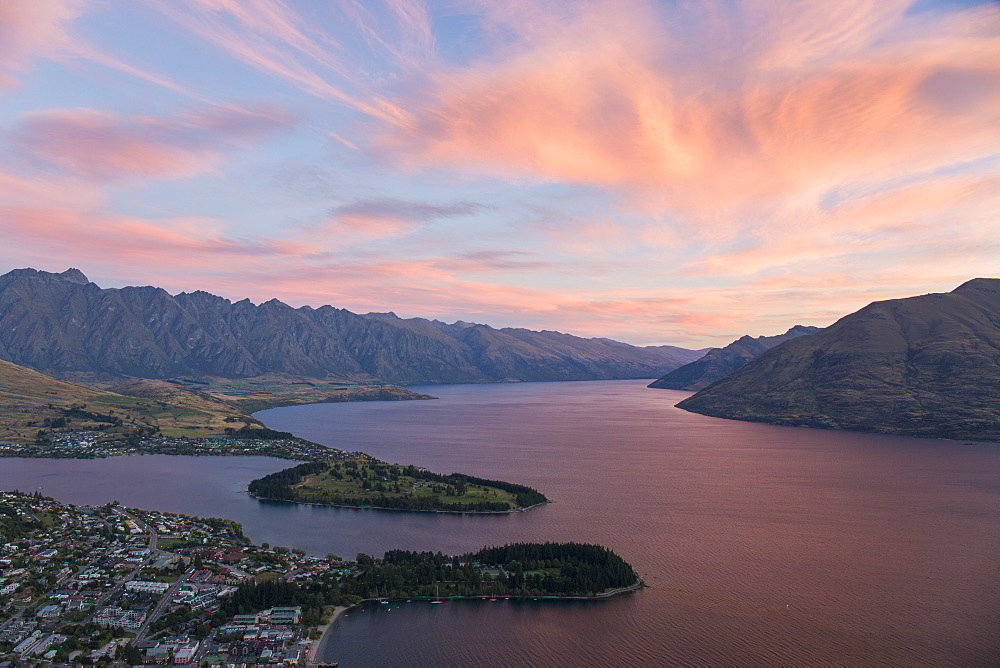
[524, 354]
[720, 362]
[66, 326]
[679, 355]
[924, 366]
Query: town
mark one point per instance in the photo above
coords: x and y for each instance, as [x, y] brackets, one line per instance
[103, 585]
[89, 444]
[110, 585]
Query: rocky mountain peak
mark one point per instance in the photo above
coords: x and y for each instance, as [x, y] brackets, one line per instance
[74, 275]
[71, 275]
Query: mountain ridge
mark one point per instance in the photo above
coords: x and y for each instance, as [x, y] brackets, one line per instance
[927, 365]
[70, 328]
[718, 363]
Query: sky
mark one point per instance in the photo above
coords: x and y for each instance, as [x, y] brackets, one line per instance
[654, 172]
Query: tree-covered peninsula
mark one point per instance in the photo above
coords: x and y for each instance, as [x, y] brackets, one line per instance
[369, 483]
[521, 570]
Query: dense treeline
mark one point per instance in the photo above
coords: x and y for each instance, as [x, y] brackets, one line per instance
[584, 567]
[519, 570]
[278, 486]
[421, 503]
[526, 496]
[525, 569]
[382, 485]
[261, 433]
[252, 597]
[13, 525]
[80, 413]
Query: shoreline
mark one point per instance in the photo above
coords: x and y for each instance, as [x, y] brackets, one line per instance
[339, 611]
[401, 510]
[324, 633]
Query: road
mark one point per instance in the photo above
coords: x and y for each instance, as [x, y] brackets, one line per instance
[140, 634]
[153, 555]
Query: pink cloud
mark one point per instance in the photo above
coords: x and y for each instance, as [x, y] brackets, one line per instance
[31, 29]
[749, 102]
[48, 190]
[926, 218]
[104, 146]
[173, 253]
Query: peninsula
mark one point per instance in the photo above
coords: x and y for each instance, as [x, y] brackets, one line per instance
[43, 417]
[369, 483]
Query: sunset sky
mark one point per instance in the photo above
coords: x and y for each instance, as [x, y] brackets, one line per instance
[653, 172]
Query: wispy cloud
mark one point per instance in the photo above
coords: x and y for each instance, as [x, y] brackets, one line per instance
[903, 223]
[104, 146]
[158, 250]
[381, 217]
[737, 103]
[270, 37]
[33, 29]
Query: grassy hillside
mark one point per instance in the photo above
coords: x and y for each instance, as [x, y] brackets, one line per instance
[31, 402]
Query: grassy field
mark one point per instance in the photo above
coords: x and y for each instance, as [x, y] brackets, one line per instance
[118, 400]
[170, 543]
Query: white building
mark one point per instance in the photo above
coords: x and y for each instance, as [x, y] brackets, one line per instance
[147, 587]
[114, 616]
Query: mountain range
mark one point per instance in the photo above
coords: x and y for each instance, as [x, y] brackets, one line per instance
[66, 326]
[718, 363]
[924, 366]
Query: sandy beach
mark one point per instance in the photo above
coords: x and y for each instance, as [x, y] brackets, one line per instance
[317, 644]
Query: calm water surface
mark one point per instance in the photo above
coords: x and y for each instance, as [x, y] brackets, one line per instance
[762, 544]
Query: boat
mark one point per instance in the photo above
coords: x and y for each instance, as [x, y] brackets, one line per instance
[437, 595]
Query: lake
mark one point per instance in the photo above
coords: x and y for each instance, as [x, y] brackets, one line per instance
[761, 544]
